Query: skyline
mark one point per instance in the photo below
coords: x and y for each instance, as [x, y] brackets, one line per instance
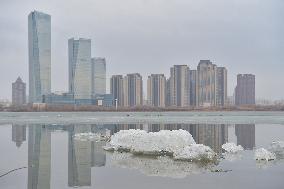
[148, 49]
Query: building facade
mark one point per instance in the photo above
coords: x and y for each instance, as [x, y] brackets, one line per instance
[39, 37]
[80, 69]
[18, 92]
[99, 76]
[206, 83]
[60, 99]
[179, 86]
[156, 90]
[116, 89]
[221, 94]
[133, 90]
[193, 87]
[245, 90]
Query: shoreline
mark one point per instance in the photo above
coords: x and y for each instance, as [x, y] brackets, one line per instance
[63, 108]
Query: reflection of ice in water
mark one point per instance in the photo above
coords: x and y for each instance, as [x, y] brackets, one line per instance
[160, 166]
[232, 156]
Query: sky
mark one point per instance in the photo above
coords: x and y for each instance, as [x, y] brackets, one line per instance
[149, 36]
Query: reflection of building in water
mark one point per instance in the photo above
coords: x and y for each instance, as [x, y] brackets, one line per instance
[18, 134]
[245, 135]
[39, 155]
[79, 158]
[211, 135]
[98, 155]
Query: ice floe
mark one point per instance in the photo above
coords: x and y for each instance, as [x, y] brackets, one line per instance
[277, 146]
[161, 166]
[89, 137]
[263, 154]
[195, 152]
[177, 143]
[232, 147]
[152, 143]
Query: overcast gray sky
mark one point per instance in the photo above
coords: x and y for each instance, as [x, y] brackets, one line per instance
[149, 36]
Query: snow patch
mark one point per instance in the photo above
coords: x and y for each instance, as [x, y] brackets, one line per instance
[232, 148]
[263, 154]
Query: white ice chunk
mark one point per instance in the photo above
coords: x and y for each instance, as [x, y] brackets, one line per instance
[277, 146]
[232, 147]
[195, 152]
[263, 154]
[153, 143]
[161, 166]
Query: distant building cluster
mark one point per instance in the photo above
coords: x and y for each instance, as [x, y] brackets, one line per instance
[205, 86]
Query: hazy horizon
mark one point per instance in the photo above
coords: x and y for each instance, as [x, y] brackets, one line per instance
[149, 36]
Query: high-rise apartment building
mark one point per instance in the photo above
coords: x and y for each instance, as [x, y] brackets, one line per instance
[133, 90]
[39, 37]
[116, 89]
[99, 76]
[206, 83]
[221, 94]
[18, 92]
[179, 86]
[245, 89]
[80, 69]
[168, 92]
[193, 87]
[211, 84]
[156, 90]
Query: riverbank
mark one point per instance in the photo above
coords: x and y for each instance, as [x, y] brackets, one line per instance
[92, 108]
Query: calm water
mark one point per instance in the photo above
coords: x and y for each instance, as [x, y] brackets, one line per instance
[52, 159]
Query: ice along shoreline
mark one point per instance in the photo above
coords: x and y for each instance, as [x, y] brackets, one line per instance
[142, 117]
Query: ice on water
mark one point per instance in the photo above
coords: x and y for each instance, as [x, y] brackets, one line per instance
[195, 152]
[232, 147]
[89, 137]
[277, 146]
[177, 143]
[263, 154]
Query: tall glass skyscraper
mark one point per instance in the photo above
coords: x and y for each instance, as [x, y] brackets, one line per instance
[99, 76]
[80, 69]
[39, 55]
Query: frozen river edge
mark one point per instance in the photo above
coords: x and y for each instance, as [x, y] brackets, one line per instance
[141, 117]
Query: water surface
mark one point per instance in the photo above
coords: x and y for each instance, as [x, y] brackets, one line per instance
[55, 160]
